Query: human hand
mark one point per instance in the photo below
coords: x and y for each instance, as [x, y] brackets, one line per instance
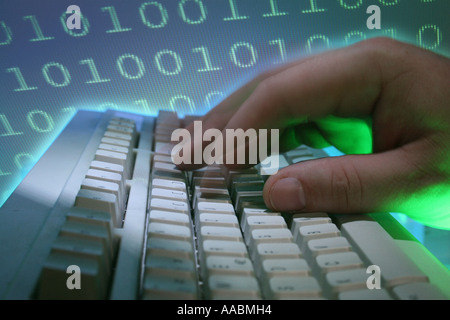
[384, 103]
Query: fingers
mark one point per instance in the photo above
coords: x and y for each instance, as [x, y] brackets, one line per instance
[350, 184]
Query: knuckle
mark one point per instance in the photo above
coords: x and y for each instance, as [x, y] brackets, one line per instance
[346, 188]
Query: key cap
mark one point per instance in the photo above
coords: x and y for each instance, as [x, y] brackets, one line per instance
[169, 184]
[170, 266]
[219, 233]
[232, 287]
[106, 166]
[276, 251]
[106, 176]
[343, 280]
[157, 287]
[169, 231]
[170, 248]
[338, 261]
[113, 148]
[54, 276]
[418, 291]
[170, 217]
[306, 233]
[217, 220]
[376, 247]
[262, 222]
[222, 248]
[214, 207]
[247, 212]
[327, 245]
[170, 205]
[285, 267]
[169, 194]
[100, 201]
[99, 218]
[272, 164]
[293, 288]
[306, 219]
[217, 265]
[365, 294]
[116, 142]
[105, 186]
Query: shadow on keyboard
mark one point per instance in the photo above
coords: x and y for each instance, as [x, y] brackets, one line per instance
[105, 214]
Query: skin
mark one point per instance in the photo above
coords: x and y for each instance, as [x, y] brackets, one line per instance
[384, 103]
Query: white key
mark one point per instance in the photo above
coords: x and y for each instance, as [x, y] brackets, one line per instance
[170, 266]
[228, 266]
[365, 294]
[270, 235]
[232, 287]
[306, 233]
[111, 156]
[106, 166]
[169, 231]
[169, 184]
[272, 164]
[169, 194]
[119, 128]
[338, 261]
[214, 207]
[247, 212]
[343, 280]
[170, 217]
[170, 248]
[418, 291]
[327, 245]
[285, 267]
[307, 219]
[116, 142]
[217, 220]
[157, 287]
[157, 165]
[293, 288]
[276, 251]
[262, 222]
[376, 247]
[220, 233]
[223, 248]
[105, 176]
[100, 201]
[113, 148]
[105, 186]
[117, 135]
[170, 205]
[92, 217]
[161, 158]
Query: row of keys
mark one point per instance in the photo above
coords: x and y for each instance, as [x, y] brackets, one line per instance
[170, 269]
[86, 239]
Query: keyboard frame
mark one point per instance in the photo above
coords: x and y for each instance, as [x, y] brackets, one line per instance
[33, 215]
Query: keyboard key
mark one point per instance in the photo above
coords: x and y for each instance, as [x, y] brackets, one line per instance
[222, 248]
[219, 233]
[169, 231]
[170, 217]
[217, 265]
[170, 248]
[365, 294]
[100, 201]
[285, 267]
[343, 280]
[170, 266]
[157, 287]
[170, 205]
[306, 233]
[232, 287]
[327, 245]
[367, 237]
[217, 220]
[214, 207]
[293, 288]
[169, 184]
[418, 291]
[169, 194]
[338, 261]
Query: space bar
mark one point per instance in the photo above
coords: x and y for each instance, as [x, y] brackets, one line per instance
[377, 247]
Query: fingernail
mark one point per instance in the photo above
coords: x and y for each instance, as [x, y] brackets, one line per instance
[287, 195]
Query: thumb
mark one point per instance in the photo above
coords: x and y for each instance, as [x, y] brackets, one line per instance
[346, 184]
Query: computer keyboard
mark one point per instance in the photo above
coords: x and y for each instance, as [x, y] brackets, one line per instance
[105, 214]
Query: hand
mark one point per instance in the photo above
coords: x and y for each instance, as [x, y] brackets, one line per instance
[384, 103]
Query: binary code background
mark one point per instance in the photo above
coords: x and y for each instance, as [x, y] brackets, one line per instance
[183, 55]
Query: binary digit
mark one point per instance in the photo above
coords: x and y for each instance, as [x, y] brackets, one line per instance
[37, 29]
[185, 18]
[20, 79]
[206, 59]
[43, 124]
[314, 7]
[178, 65]
[389, 2]
[350, 37]
[8, 34]
[23, 160]
[183, 108]
[115, 20]
[345, 5]
[281, 48]
[431, 32]
[209, 101]
[140, 71]
[84, 26]
[2, 173]
[64, 72]
[9, 131]
[249, 48]
[94, 72]
[234, 12]
[162, 11]
[144, 104]
[274, 10]
[311, 40]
